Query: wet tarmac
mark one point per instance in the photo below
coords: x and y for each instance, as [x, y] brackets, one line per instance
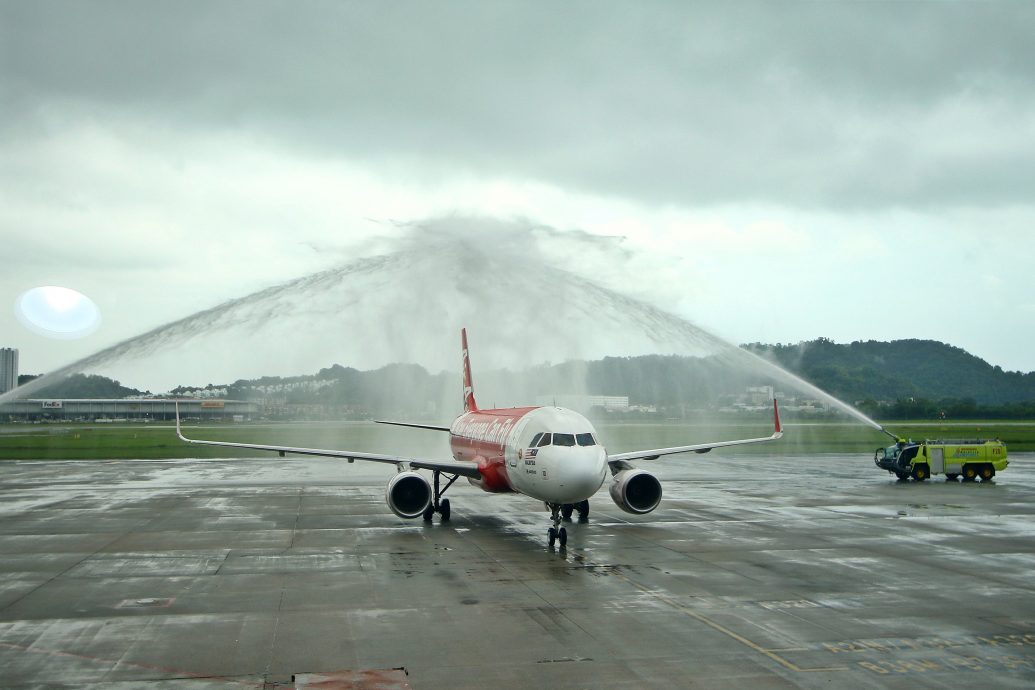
[811, 572]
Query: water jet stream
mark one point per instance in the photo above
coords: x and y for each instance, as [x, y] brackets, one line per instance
[508, 282]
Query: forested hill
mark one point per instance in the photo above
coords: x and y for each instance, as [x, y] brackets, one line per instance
[85, 386]
[900, 369]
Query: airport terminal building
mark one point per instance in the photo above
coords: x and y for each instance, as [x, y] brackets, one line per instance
[129, 410]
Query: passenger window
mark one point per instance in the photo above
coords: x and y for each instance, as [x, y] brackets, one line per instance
[564, 439]
[544, 441]
[585, 439]
[535, 440]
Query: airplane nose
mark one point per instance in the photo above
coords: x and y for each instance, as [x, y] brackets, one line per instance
[583, 473]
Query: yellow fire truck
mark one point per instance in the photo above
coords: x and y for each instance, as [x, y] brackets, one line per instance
[967, 458]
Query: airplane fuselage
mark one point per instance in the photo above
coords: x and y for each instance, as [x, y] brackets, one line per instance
[548, 453]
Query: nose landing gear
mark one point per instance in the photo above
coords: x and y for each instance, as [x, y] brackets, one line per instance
[554, 535]
[563, 511]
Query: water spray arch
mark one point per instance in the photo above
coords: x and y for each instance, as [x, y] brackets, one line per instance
[513, 284]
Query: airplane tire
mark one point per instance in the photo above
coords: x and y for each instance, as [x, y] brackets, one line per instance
[429, 512]
[443, 509]
[551, 536]
[562, 537]
[583, 508]
[566, 511]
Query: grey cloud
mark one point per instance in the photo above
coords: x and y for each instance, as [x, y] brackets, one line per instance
[808, 104]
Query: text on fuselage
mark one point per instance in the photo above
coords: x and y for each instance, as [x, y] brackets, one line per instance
[495, 431]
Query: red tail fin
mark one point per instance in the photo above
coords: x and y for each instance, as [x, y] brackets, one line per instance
[469, 404]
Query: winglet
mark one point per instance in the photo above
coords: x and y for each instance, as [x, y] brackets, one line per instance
[179, 433]
[777, 428]
[469, 404]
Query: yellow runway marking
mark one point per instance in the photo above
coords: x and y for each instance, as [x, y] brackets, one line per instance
[771, 653]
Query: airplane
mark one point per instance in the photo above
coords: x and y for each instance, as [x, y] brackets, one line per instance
[551, 454]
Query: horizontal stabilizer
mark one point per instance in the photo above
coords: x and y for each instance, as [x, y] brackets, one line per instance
[432, 427]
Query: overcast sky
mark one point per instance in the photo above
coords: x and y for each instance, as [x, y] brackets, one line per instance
[780, 171]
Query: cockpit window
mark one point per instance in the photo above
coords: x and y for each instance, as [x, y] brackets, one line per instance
[585, 439]
[544, 441]
[564, 439]
[535, 440]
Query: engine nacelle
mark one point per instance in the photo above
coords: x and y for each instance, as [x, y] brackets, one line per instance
[408, 494]
[636, 491]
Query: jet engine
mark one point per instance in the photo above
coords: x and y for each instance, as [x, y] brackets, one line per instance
[408, 494]
[636, 491]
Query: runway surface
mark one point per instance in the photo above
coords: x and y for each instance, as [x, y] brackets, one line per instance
[809, 572]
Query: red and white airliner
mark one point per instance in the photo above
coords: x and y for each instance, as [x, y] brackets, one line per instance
[551, 454]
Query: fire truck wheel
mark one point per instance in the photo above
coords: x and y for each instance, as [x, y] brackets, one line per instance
[986, 472]
[920, 472]
[902, 476]
[969, 473]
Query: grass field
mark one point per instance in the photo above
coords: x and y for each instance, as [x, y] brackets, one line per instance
[75, 442]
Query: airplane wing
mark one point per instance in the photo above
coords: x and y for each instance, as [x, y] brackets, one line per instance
[620, 460]
[465, 469]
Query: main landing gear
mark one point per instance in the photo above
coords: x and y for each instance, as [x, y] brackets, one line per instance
[438, 504]
[559, 511]
[582, 507]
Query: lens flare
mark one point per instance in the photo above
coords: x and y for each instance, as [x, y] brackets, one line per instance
[57, 312]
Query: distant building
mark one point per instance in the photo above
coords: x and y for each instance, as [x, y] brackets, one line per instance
[8, 369]
[585, 402]
[126, 410]
[759, 395]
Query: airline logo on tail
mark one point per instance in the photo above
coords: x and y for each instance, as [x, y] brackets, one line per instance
[469, 404]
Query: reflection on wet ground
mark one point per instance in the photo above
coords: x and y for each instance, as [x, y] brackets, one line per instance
[816, 571]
